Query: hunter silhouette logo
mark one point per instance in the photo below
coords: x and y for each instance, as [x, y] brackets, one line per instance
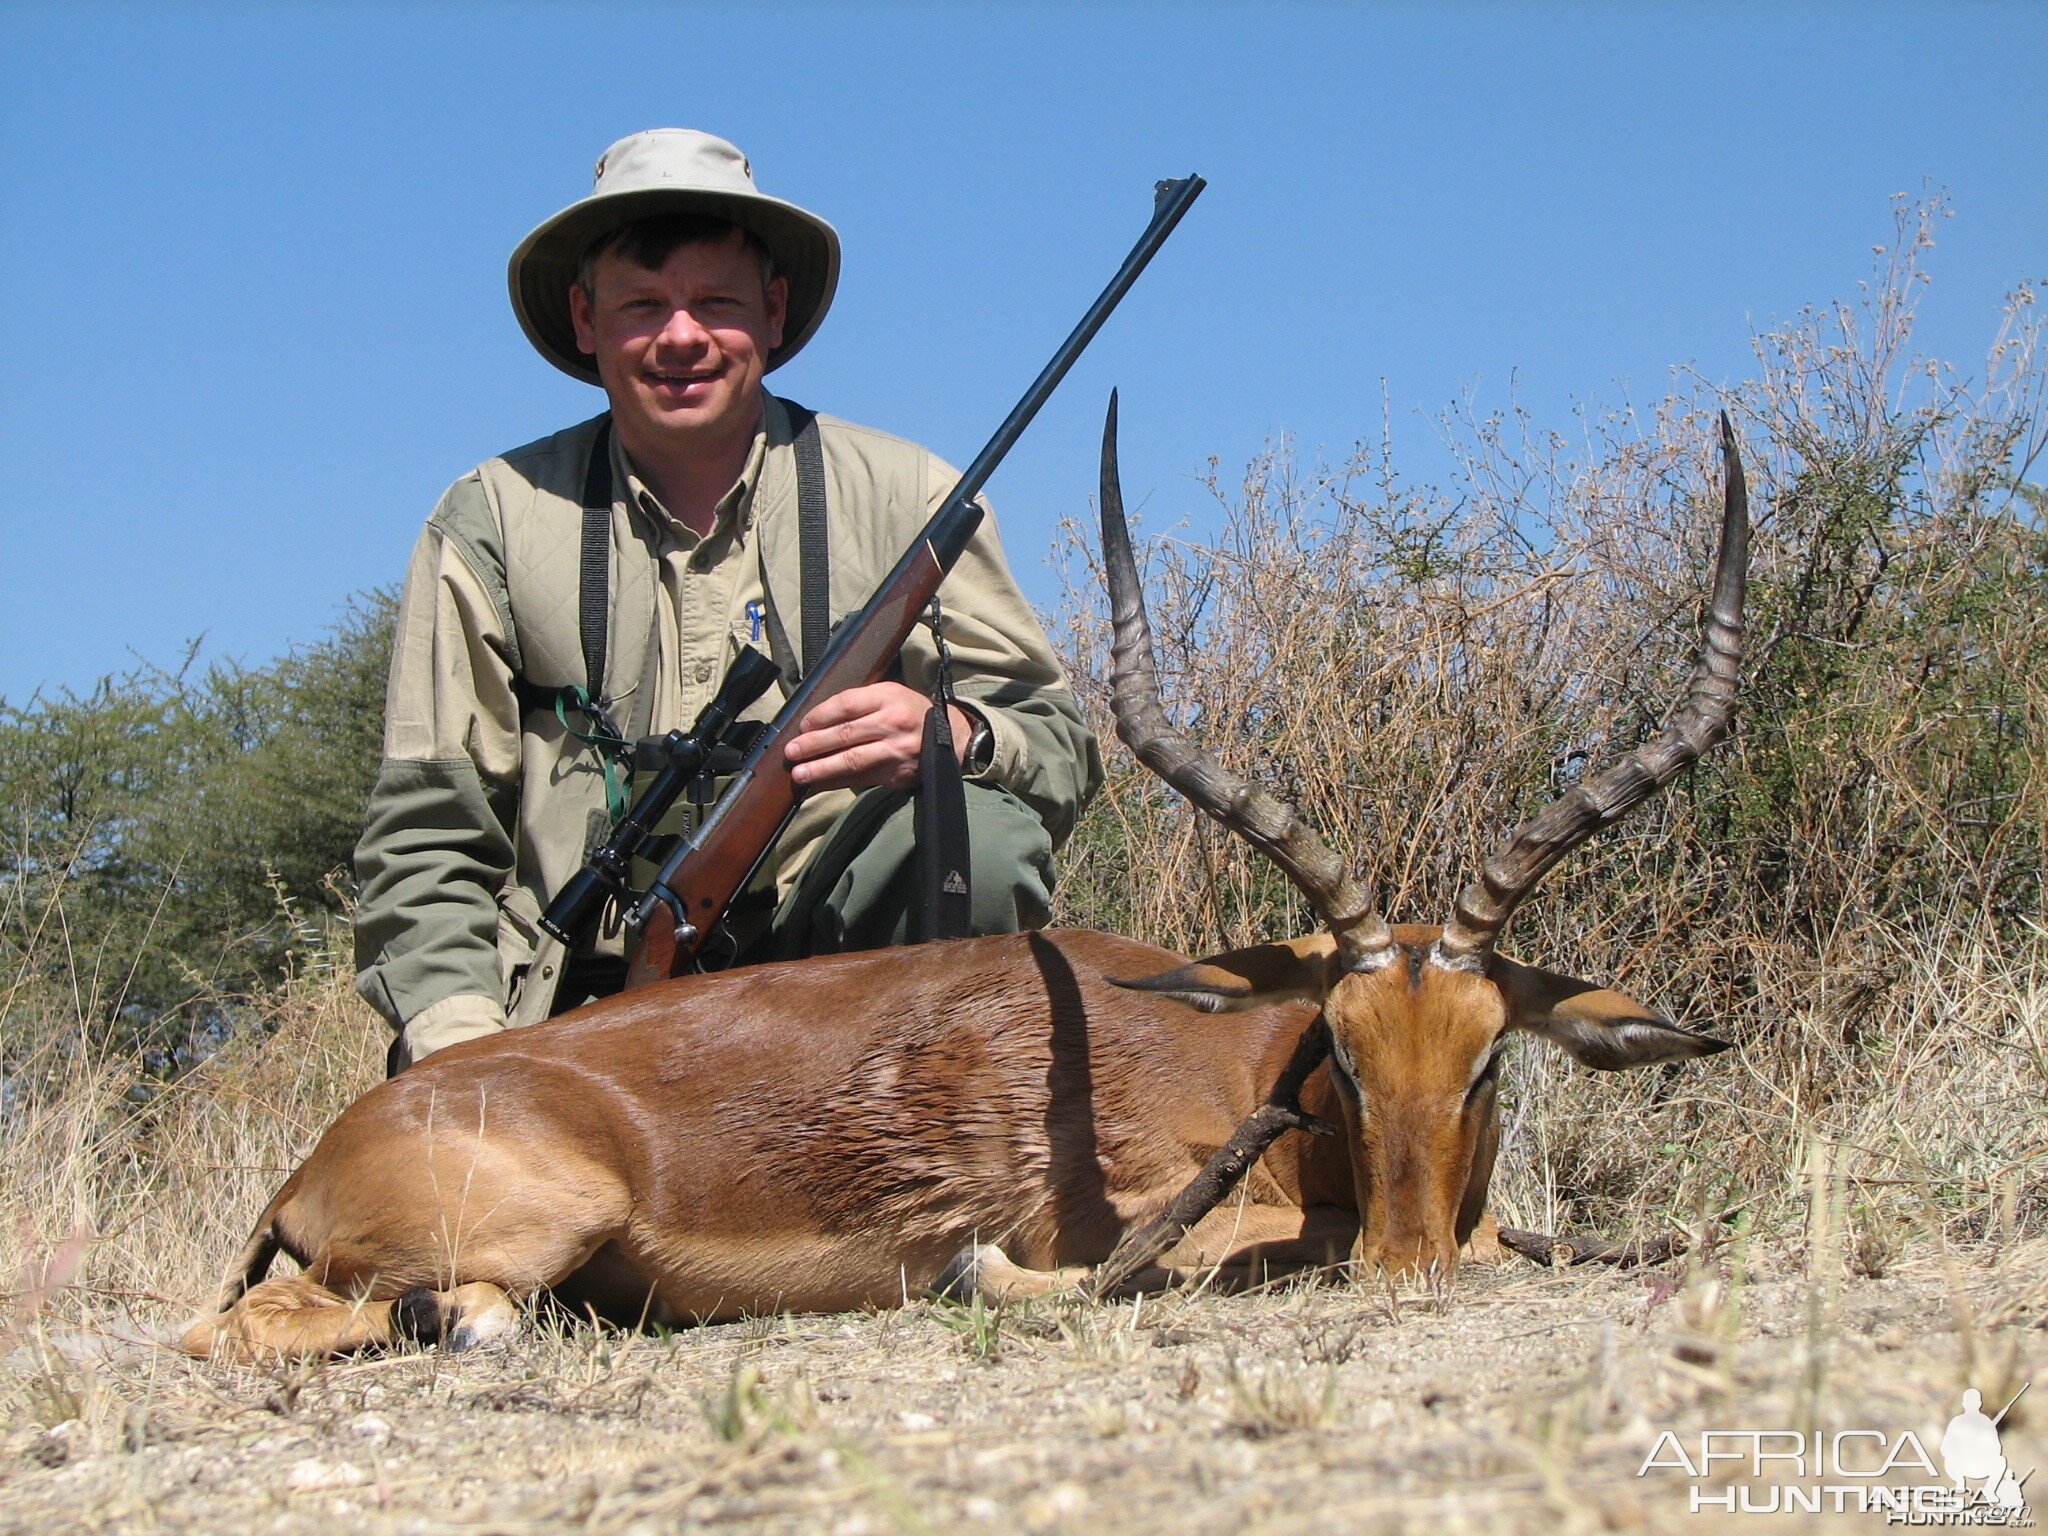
[1783, 1471]
[1971, 1452]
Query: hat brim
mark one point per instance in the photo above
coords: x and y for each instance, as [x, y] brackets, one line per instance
[805, 249]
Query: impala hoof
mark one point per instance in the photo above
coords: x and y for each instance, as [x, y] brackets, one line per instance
[468, 1317]
[485, 1316]
[961, 1279]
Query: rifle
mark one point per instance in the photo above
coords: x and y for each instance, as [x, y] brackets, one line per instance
[688, 759]
[707, 869]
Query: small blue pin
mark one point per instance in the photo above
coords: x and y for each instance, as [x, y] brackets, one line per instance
[756, 612]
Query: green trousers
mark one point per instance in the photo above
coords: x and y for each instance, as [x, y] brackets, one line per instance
[860, 889]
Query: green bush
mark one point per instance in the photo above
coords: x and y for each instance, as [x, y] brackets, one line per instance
[173, 839]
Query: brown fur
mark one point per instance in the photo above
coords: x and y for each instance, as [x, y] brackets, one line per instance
[812, 1136]
[832, 1133]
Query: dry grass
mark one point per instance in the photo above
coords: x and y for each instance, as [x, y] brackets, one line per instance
[1851, 889]
[1523, 1399]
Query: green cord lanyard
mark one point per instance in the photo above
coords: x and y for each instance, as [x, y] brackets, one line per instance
[612, 748]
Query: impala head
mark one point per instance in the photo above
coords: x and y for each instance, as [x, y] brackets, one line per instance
[1418, 1016]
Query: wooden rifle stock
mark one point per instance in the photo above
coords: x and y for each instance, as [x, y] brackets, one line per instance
[701, 878]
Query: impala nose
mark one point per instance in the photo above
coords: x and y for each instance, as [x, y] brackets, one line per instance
[1407, 1255]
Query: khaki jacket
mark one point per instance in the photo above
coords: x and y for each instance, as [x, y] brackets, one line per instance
[482, 809]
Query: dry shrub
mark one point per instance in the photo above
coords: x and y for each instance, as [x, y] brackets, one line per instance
[143, 1188]
[1851, 887]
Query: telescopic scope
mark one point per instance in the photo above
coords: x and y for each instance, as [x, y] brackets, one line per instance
[576, 907]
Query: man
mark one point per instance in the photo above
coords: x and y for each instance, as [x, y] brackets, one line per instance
[629, 558]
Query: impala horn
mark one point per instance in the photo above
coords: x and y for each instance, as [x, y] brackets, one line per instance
[1515, 868]
[1268, 823]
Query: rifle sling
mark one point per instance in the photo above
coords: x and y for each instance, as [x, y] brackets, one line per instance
[945, 895]
[945, 906]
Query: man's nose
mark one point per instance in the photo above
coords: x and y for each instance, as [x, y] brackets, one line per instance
[684, 332]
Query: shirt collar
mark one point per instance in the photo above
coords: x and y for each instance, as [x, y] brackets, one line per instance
[735, 508]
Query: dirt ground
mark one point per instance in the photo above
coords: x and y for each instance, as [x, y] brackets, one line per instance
[1523, 1399]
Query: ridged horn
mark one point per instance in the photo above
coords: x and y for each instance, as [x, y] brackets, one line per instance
[1514, 870]
[1268, 823]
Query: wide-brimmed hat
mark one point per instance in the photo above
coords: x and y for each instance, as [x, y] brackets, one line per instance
[669, 170]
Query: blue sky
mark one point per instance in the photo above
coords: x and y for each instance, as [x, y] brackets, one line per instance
[254, 315]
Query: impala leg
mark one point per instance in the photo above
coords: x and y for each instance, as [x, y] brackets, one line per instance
[291, 1316]
[1230, 1248]
[296, 1317]
[984, 1270]
[987, 1272]
[1233, 1250]
[1484, 1245]
[1281, 1235]
[1269, 1263]
[468, 1317]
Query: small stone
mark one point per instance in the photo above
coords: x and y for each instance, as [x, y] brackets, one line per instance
[917, 1421]
[1068, 1498]
[371, 1426]
[981, 1507]
[311, 1476]
[59, 1443]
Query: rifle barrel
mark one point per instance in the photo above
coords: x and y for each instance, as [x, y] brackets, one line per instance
[1174, 199]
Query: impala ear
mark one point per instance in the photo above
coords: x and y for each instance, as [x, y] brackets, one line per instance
[1294, 970]
[1601, 1028]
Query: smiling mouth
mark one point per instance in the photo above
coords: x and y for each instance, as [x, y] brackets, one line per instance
[682, 380]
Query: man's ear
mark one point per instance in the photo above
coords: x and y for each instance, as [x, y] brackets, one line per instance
[1294, 970]
[1601, 1028]
[580, 317]
[776, 297]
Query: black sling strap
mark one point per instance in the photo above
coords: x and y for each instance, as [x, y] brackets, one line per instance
[945, 893]
[813, 541]
[593, 614]
[945, 901]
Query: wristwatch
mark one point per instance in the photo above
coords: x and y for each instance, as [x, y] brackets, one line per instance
[981, 744]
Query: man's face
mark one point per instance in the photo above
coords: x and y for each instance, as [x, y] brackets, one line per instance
[681, 351]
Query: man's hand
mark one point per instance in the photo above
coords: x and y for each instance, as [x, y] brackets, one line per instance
[868, 736]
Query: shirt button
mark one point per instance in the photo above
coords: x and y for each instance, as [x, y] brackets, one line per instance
[703, 670]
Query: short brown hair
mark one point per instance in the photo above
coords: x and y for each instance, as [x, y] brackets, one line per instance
[649, 242]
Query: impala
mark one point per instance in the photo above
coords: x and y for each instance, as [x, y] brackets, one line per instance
[993, 1114]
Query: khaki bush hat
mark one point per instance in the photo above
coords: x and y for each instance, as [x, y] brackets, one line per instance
[669, 170]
